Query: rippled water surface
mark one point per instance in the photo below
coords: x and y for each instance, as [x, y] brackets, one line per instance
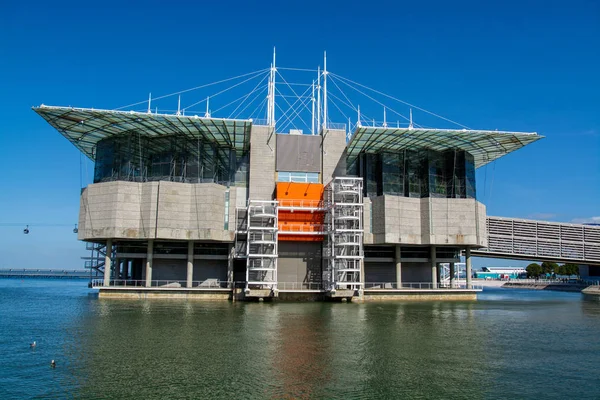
[509, 344]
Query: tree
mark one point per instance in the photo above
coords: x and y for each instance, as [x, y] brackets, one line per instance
[561, 270]
[571, 269]
[534, 270]
[549, 267]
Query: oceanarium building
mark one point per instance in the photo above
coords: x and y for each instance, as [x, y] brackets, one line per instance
[186, 205]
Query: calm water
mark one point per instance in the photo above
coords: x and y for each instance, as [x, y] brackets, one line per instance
[509, 344]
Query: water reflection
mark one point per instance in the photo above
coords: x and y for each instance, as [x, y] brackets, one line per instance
[190, 349]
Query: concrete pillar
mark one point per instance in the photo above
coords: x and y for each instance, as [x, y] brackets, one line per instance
[230, 259]
[434, 274]
[468, 263]
[190, 264]
[452, 271]
[107, 262]
[398, 267]
[149, 263]
[362, 272]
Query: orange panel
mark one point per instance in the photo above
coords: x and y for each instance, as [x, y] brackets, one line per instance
[309, 195]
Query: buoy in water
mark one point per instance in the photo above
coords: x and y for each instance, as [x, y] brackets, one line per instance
[52, 364]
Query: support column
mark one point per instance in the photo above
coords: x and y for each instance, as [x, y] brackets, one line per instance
[107, 262]
[230, 258]
[190, 264]
[433, 268]
[468, 263]
[362, 272]
[149, 263]
[398, 267]
[452, 275]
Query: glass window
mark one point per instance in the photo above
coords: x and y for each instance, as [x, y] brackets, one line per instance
[300, 177]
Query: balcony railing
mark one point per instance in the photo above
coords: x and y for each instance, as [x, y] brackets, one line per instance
[419, 285]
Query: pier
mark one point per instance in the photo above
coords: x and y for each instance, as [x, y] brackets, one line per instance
[46, 273]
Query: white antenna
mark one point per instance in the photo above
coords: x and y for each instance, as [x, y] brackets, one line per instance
[207, 114]
[178, 105]
[325, 90]
[358, 120]
[312, 122]
[410, 123]
[149, 103]
[319, 98]
[384, 120]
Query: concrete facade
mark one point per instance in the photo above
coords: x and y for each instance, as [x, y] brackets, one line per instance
[263, 145]
[428, 221]
[334, 154]
[156, 210]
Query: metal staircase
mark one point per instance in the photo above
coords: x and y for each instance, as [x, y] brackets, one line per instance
[261, 245]
[343, 245]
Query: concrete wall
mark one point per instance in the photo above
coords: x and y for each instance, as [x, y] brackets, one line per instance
[299, 262]
[155, 210]
[334, 154]
[427, 221]
[263, 143]
[367, 217]
[300, 153]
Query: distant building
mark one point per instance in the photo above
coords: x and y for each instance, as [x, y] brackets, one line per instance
[501, 273]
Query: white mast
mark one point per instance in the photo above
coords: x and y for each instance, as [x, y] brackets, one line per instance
[271, 101]
[325, 90]
[178, 105]
[358, 120]
[269, 98]
[312, 122]
[319, 98]
[384, 119]
[410, 124]
[349, 129]
[207, 114]
[149, 103]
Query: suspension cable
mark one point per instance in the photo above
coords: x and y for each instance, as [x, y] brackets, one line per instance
[195, 88]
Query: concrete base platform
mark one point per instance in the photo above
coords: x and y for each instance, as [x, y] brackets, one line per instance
[239, 294]
[164, 293]
[258, 294]
[420, 295]
[342, 294]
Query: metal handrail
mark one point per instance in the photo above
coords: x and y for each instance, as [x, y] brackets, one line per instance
[299, 286]
[292, 203]
[173, 284]
[419, 285]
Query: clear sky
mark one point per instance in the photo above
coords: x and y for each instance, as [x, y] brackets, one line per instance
[530, 66]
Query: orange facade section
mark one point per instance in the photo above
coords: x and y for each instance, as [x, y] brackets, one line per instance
[299, 215]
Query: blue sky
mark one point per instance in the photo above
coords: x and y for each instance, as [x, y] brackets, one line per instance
[523, 66]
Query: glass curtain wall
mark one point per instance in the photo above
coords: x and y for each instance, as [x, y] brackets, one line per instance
[171, 158]
[417, 173]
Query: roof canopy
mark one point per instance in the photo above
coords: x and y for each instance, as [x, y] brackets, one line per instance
[86, 127]
[485, 146]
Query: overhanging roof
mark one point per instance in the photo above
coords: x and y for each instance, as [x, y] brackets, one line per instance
[485, 146]
[85, 127]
